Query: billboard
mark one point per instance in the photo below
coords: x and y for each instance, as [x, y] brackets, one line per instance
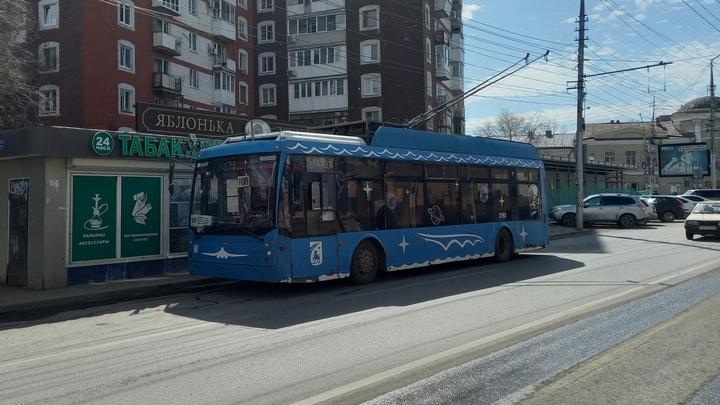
[684, 160]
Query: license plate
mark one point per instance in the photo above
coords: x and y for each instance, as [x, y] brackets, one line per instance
[708, 228]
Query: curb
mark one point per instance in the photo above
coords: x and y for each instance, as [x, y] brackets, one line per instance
[571, 234]
[50, 306]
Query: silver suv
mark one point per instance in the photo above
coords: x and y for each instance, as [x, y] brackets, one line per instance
[625, 210]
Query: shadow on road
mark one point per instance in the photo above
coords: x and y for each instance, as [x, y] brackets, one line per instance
[279, 306]
[274, 306]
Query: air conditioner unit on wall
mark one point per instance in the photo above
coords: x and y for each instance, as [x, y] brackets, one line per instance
[291, 73]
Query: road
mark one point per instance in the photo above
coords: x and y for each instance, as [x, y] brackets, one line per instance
[519, 329]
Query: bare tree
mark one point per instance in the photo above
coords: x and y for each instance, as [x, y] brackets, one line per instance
[16, 64]
[515, 127]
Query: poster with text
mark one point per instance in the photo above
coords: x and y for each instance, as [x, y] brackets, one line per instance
[94, 226]
[140, 215]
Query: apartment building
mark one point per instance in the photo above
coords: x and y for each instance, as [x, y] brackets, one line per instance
[98, 58]
[321, 62]
[306, 62]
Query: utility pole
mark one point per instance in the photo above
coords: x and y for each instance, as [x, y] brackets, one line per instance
[579, 156]
[713, 160]
[651, 172]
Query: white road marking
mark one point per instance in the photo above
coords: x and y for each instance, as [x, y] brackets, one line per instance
[425, 361]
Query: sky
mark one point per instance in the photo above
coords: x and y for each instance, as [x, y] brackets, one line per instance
[622, 34]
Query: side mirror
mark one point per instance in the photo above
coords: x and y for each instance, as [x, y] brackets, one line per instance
[586, 205]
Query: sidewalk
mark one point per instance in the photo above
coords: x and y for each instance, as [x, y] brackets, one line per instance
[16, 300]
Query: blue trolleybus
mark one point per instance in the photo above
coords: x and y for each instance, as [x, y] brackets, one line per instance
[302, 207]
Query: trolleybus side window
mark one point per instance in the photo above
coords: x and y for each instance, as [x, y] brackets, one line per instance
[360, 194]
[322, 195]
[443, 195]
[404, 200]
[501, 197]
[529, 201]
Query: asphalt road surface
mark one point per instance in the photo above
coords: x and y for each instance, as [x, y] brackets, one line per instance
[536, 329]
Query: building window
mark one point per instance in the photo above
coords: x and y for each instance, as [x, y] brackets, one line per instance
[126, 94]
[242, 61]
[266, 63]
[609, 157]
[370, 51]
[224, 81]
[243, 92]
[371, 86]
[161, 66]
[48, 14]
[630, 157]
[49, 103]
[173, 5]
[428, 50]
[428, 84]
[192, 6]
[126, 56]
[267, 95]
[160, 25]
[369, 18]
[126, 13]
[242, 4]
[372, 114]
[194, 80]
[427, 16]
[192, 41]
[223, 10]
[49, 57]
[242, 28]
[332, 87]
[265, 5]
[266, 32]
[310, 25]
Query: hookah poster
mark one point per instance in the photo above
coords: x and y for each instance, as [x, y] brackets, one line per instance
[94, 223]
[140, 216]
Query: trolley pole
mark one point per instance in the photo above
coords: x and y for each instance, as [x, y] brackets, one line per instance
[579, 156]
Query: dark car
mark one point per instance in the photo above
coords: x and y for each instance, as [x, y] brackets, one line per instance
[708, 193]
[668, 208]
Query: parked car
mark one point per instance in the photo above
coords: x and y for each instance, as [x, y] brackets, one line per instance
[653, 214]
[669, 208]
[623, 209]
[689, 204]
[703, 220]
[707, 193]
[694, 198]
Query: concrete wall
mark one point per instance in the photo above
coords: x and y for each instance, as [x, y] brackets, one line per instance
[55, 219]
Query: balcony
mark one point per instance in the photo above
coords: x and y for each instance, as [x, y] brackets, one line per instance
[442, 72]
[443, 8]
[223, 97]
[171, 7]
[166, 43]
[221, 62]
[167, 83]
[222, 29]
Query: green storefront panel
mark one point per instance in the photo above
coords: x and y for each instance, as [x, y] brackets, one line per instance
[94, 224]
[140, 215]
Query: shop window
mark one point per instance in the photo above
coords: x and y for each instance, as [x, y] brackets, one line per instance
[179, 214]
